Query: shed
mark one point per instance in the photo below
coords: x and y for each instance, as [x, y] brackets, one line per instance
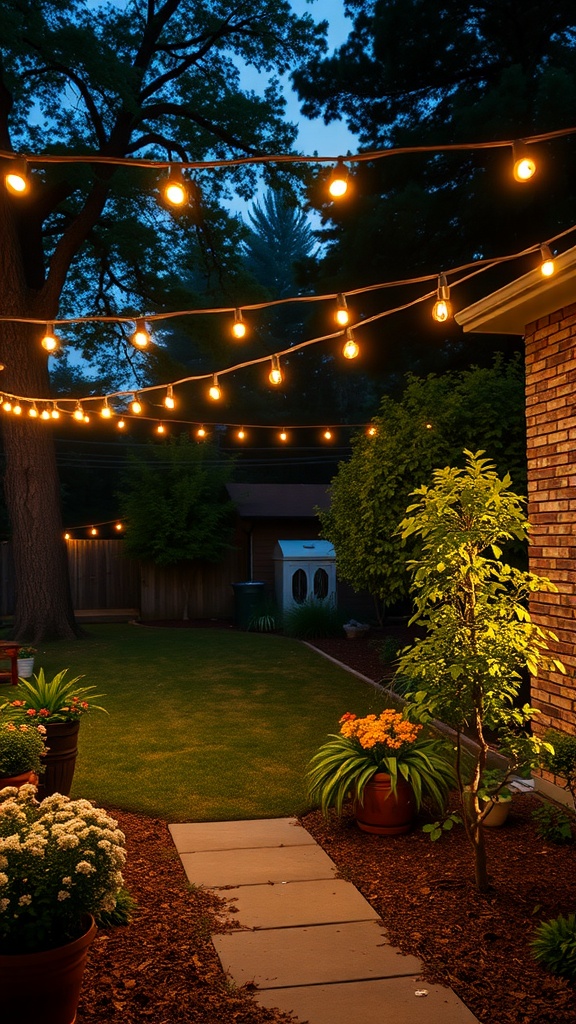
[304, 569]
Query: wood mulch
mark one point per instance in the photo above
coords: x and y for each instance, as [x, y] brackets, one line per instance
[163, 967]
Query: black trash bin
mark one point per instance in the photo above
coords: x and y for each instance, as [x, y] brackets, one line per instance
[248, 599]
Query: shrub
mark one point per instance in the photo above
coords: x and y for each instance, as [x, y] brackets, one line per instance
[313, 619]
[554, 946]
[561, 761]
[553, 824]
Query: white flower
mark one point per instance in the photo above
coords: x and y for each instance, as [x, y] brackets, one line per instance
[3, 862]
[63, 895]
[4, 904]
[84, 868]
[11, 843]
[67, 841]
[25, 901]
[3, 878]
[67, 880]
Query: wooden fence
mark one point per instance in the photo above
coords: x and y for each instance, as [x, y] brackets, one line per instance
[102, 577]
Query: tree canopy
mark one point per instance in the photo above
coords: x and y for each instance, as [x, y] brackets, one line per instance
[157, 80]
[425, 428]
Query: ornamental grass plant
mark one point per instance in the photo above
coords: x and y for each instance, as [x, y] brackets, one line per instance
[388, 743]
[51, 700]
[60, 860]
[22, 748]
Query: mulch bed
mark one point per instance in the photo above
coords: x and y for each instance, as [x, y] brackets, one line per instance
[163, 967]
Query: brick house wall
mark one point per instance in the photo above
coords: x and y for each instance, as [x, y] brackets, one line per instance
[551, 449]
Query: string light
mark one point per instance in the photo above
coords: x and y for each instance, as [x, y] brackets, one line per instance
[547, 265]
[342, 315]
[201, 432]
[45, 414]
[55, 414]
[241, 435]
[140, 338]
[371, 431]
[524, 163]
[160, 429]
[106, 411]
[121, 424]
[136, 405]
[78, 413]
[239, 326]
[275, 376]
[16, 177]
[351, 348]
[327, 435]
[214, 390]
[50, 342]
[119, 527]
[338, 184]
[7, 405]
[283, 435]
[33, 411]
[442, 309]
[93, 532]
[86, 418]
[169, 400]
[66, 536]
[175, 190]
[17, 409]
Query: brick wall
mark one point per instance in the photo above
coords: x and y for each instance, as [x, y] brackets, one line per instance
[551, 448]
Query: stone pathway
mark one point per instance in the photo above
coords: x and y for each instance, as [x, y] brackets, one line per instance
[308, 941]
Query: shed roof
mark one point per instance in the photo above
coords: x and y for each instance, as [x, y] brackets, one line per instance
[304, 549]
[278, 501]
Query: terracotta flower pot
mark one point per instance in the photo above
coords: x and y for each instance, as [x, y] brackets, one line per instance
[383, 812]
[45, 987]
[19, 780]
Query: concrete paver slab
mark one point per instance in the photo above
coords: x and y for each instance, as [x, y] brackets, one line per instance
[248, 867]
[299, 903]
[370, 1002]
[191, 837]
[310, 956]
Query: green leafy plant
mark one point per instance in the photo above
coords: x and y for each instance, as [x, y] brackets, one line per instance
[59, 860]
[559, 758]
[493, 785]
[379, 743]
[26, 651]
[313, 619]
[554, 946]
[22, 747]
[52, 700]
[553, 824]
[477, 631]
[122, 914]
[437, 829]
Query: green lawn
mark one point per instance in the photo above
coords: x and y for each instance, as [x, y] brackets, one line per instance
[203, 724]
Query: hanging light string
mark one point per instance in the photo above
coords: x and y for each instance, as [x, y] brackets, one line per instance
[279, 158]
[476, 267]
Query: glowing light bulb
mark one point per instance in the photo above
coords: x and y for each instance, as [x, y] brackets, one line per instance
[174, 190]
[428, 426]
[442, 309]
[338, 184]
[93, 532]
[78, 413]
[372, 431]
[17, 409]
[50, 343]
[136, 405]
[44, 415]
[55, 414]
[7, 405]
[275, 376]
[351, 348]
[238, 327]
[241, 434]
[342, 315]
[160, 429]
[33, 411]
[141, 338]
[200, 432]
[327, 435]
[119, 527]
[169, 400]
[547, 266]
[524, 163]
[66, 536]
[214, 391]
[121, 424]
[106, 411]
[16, 178]
[85, 418]
[283, 435]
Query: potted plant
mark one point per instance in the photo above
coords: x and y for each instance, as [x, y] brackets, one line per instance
[22, 748]
[387, 767]
[25, 661]
[495, 797]
[60, 864]
[58, 704]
